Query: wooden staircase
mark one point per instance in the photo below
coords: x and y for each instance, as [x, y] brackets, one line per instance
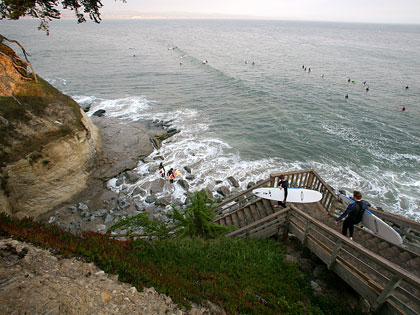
[386, 275]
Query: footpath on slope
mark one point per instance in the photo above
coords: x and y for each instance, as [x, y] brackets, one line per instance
[33, 281]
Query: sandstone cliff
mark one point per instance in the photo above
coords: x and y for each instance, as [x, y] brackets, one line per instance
[48, 146]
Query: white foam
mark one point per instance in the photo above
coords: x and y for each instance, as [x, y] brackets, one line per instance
[130, 108]
[84, 100]
[212, 160]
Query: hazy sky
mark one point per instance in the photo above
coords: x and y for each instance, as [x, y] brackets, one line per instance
[375, 11]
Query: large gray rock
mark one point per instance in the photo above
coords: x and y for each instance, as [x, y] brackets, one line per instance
[319, 271]
[250, 184]
[108, 218]
[162, 202]
[183, 184]
[138, 191]
[131, 177]
[151, 199]
[224, 191]
[99, 112]
[233, 181]
[124, 144]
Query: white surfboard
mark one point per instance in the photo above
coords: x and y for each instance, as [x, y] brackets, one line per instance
[375, 224]
[300, 195]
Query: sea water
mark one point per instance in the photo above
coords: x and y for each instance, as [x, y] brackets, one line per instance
[246, 107]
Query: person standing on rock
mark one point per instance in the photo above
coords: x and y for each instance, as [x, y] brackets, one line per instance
[353, 214]
[171, 175]
[283, 184]
[162, 170]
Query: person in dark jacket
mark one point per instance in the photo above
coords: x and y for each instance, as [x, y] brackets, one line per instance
[171, 175]
[353, 214]
[162, 170]
[283, 184]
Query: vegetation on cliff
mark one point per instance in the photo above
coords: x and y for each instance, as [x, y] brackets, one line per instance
[243, 276]
[37, 114]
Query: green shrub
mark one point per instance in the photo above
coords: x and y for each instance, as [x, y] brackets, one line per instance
[243, 276]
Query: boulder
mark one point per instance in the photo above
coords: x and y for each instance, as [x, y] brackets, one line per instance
[108, 218]
[162, 202]
[151, 199]
[290, 259]
[250, 184]
[99, 113]
[138, 191]
[315, 286]
[224, 191]
[183, 184]
[131, 177]
[209, 194]
[187, 169]
[233, 181]
[319, 270]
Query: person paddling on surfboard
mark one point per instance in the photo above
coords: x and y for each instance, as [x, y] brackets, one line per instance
[353, 214]
[283, 184]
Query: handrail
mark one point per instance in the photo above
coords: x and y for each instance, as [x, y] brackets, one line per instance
[259, 222]
[220, 208]
[310, 179]
[401, 221]
[390, 288]
[367, 253]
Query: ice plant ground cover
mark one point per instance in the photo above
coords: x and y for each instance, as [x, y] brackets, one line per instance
[240, 275]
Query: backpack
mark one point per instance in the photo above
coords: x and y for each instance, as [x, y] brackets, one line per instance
[360, 210]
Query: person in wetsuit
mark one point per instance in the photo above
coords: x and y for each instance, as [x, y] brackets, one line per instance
[353, 214]
[283, 184]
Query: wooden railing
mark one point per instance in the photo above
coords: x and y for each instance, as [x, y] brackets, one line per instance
[384, 285]
[239, 201]
[310, 179]
[372, 276]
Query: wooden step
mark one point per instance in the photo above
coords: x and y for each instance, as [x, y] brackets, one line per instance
[235, 219]
[261, 208]
[268, 207]
[228, 220]
[248, 215]
[255, 212]
[241, 218]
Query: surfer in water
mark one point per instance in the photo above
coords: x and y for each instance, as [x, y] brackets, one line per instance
[283, 184]
[353, 214]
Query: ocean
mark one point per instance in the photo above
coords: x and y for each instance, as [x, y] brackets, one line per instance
[246, 107]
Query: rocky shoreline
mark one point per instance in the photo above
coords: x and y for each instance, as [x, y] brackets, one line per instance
[125, 143]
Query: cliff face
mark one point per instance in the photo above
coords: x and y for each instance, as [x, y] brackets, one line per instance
[48, 146]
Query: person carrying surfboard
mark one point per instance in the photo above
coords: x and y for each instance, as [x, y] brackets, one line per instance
[171, 175]
[283, 184]
[162, 170]
[353, 214]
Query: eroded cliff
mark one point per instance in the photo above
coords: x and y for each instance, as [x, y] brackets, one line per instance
[48, 146]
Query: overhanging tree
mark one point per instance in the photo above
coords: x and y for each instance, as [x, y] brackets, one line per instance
[47, 10]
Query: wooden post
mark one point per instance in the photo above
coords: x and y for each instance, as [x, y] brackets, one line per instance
[393, 283]
[310, 181]
[334, 254]
[286, 226]
[305, 235]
